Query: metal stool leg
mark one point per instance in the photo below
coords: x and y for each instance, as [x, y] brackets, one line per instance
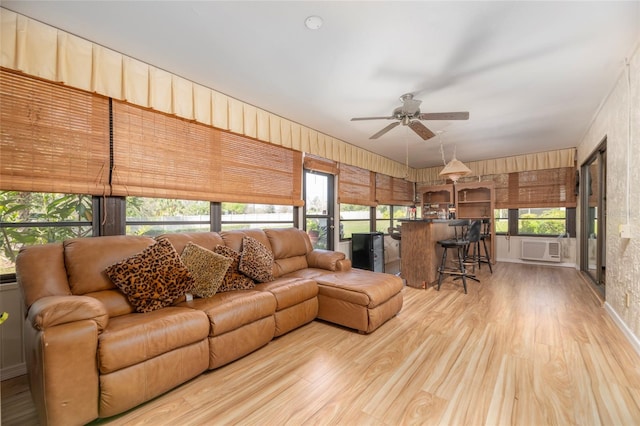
[486, 252]
[442, 265]
[463, 269]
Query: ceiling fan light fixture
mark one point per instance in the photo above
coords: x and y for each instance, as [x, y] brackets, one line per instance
[409, 115]
[455, 169]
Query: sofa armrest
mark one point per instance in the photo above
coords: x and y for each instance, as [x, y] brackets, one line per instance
[343, 265]
[324, 259]
[56, 310]
[61, 345]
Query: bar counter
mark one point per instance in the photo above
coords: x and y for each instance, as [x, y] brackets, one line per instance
[420, 253]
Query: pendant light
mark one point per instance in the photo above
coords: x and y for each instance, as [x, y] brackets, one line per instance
[454, 169]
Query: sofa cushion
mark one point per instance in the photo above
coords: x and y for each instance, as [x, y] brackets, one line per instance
[153, 278]
[359, 287]
[207, 268]
[231, 310]
[290, 291]
[233, 279]
[134, 338]
[179, 240]
[86, 258]
[290, 247]
[256, 260]
[288, 242]
[234, 238]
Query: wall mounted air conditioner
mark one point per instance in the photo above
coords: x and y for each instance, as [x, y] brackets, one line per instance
[547, 251]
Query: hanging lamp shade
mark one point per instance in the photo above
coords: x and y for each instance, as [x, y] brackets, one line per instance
[455, 169]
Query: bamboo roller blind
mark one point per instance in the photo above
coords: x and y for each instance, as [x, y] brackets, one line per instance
[356, 186]
[53, 138]
[263, 173]
[319, 164]
[394, 191]
[157, 155]
[536, 188]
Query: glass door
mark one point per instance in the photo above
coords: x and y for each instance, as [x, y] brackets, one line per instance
[318, 209]
[593, 206]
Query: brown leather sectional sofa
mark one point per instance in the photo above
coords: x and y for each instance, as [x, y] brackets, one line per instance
[90, 355]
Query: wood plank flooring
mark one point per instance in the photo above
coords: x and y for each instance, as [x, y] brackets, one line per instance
[529, 345]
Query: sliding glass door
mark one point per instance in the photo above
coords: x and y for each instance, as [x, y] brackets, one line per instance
[593, 206]
[318, 209]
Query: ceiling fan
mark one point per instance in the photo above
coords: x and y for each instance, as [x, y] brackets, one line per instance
[409, 115]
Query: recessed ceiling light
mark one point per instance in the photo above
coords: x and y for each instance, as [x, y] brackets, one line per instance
[313, 22]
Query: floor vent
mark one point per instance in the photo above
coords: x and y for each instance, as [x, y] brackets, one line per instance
[547, 251]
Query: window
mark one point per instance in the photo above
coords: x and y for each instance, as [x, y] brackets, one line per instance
[501, 217]
[156, 216]
[37, 218]
[386, 216]
[242, 216]
[354, 218]
[545, 221]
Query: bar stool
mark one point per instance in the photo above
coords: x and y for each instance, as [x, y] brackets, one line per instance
[461, 245]
[476, 256]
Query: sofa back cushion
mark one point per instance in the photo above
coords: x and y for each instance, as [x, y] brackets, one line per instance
[233, 239]
[87, 258]
[40, 272]
[154, 278]
[290, 247]
[208, 240]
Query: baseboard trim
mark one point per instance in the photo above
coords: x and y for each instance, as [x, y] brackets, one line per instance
[533, 262]
[13, 371]
[632, 338]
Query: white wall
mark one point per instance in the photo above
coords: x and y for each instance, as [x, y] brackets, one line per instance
[509, 250]
[12, 361]
[619, 121]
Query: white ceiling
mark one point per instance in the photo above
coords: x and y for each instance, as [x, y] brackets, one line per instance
[531, 74]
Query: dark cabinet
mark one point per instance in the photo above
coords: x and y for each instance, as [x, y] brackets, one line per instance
[367, 251]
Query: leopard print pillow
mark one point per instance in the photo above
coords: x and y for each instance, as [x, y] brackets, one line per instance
[208, 269]
[256, 260]
[233, 279]
[153, 278]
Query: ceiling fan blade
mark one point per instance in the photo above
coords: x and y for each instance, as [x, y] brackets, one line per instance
[385, 130]
[372, 118]
[421, 130]
[444, 116]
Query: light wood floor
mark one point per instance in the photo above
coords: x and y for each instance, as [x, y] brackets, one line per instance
[530, 345]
